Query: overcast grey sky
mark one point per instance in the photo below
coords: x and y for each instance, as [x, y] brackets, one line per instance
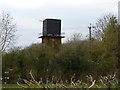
[76, 15]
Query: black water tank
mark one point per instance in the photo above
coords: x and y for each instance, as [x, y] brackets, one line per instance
[52, 27]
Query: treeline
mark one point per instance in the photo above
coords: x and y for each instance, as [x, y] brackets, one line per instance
[74, 59]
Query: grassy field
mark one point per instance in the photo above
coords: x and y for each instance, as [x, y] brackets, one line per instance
[10, 86]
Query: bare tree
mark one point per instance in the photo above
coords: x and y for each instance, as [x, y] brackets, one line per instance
[101, 26]
[7, 31]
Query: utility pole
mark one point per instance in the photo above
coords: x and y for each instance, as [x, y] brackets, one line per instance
[90, 38]
[90, 31]
[90, 27]
[90, 35]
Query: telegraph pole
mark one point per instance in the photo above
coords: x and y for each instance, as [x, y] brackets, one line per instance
[90, 27]
[90, 37]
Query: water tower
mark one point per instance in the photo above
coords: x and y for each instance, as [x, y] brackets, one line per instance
[51, 33]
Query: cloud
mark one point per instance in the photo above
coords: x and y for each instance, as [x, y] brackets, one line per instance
[23, 3]
[39, 3]
[75, 15]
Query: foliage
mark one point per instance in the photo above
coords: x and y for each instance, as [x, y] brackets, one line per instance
[75, 58]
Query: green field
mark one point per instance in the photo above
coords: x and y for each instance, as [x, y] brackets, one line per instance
[10, 86]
